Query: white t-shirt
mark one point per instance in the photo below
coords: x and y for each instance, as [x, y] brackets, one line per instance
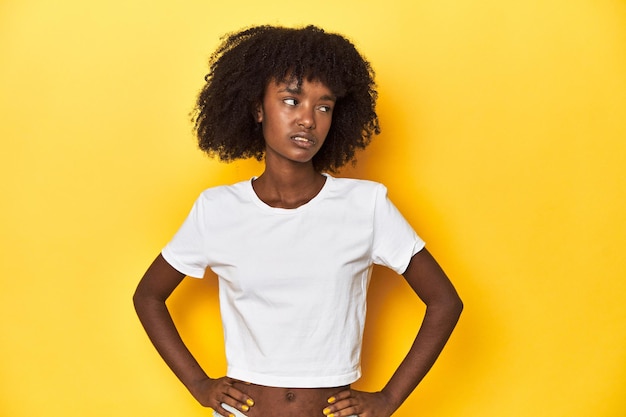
[293, 282]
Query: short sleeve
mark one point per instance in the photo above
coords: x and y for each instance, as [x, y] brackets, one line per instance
[186, 251]
[394, 240]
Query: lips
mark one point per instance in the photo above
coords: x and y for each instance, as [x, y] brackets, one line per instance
[304, 139]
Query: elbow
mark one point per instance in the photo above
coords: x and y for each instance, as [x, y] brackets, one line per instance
[452, 307]
[449, 308]
[137, 300]
[140, 299]
[457, 306]
[145, 300]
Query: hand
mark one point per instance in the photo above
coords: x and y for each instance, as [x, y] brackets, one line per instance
[358, 403]
[215, 392]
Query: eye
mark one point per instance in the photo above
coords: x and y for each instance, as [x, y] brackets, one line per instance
[290, 101]
[325, 109]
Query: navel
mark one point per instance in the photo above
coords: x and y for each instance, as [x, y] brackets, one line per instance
[291, 396]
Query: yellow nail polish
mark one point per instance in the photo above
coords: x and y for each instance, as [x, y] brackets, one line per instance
[250, 402]
[326, 411]
[331, 400]
[232, 415]
[245, 407]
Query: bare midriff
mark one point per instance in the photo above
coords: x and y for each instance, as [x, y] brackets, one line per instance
[287, 402]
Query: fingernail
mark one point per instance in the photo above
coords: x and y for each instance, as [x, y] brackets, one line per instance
[232, 415]
[326, 411]
[331, 400]
[245, 407]
[250, 402]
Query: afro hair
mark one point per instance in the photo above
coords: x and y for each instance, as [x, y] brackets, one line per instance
[244, 64]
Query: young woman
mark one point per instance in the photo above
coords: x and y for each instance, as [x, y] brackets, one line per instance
[293, 248]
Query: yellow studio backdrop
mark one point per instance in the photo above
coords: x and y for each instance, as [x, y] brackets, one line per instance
[503, 143]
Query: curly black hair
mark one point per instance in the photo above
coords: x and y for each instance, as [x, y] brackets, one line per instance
[246, 61]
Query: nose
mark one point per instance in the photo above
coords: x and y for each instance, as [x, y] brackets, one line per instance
[306, 118]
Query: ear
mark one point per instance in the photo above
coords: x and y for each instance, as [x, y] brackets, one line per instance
[258, 112]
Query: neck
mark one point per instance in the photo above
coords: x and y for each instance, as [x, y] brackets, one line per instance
[288, 187]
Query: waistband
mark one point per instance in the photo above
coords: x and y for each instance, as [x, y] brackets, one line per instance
[236, 412]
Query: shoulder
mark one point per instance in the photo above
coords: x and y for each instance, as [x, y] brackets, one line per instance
[358, 190]
[224, 195]
[357, 194]
[358, 186]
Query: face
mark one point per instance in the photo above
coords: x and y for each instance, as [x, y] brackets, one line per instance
[295, 120]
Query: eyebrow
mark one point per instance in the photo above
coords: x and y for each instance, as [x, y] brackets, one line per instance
[298, 90]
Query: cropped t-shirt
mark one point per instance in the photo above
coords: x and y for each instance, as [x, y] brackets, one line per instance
[293, 282]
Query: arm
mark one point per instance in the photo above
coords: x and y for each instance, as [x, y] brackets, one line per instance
[443, 307]
[155, 287]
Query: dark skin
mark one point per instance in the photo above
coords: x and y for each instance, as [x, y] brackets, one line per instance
[289, 180]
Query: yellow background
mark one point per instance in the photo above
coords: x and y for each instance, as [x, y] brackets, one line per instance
[504, 143]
